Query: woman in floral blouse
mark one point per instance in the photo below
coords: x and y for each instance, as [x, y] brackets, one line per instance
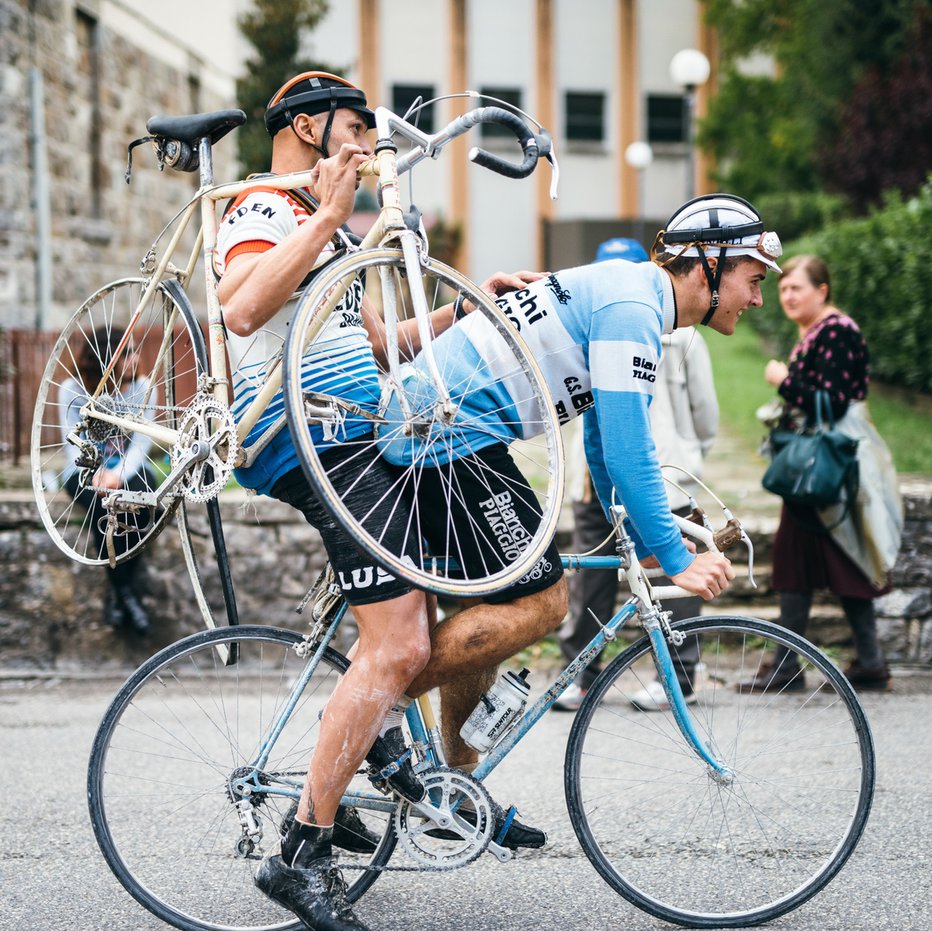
[831, 355]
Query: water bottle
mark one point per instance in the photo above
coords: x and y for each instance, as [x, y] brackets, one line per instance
[496, 710]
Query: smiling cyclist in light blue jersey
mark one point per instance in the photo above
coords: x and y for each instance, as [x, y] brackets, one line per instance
[595, 331]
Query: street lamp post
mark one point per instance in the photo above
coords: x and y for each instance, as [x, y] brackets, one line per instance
[639, 155]
[690, 69]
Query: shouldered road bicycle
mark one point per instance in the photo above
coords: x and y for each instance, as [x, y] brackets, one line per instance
[182, 410]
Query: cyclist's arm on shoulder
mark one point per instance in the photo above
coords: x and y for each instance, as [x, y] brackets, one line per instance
[441, 319]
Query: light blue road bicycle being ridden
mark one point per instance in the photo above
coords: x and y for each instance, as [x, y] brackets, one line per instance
[726, 812]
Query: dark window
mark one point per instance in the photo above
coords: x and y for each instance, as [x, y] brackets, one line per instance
[403, 95]
[88, 36]
[194, 93]
[585, 117]
[510, 95]
[666, 118]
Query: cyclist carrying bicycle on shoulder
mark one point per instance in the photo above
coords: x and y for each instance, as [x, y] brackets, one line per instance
[269, 245]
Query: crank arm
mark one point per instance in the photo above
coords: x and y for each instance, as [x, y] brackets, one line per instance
[198, 452]
[441, 818]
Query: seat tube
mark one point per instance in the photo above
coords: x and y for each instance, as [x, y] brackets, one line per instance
[216, 333]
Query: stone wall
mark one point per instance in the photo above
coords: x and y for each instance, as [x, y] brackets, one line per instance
[50, 606]
[99, 91]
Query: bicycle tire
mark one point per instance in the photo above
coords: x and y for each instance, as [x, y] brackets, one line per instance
[540, 457]
[172, 369]
[160, 768]
[684, 847]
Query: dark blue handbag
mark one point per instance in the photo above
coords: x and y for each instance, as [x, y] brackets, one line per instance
[816, 467]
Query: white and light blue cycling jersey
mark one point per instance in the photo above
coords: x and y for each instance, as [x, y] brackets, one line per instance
[595, 334]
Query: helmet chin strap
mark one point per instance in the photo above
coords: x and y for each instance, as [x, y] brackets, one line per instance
[325, 138]
[714, 279]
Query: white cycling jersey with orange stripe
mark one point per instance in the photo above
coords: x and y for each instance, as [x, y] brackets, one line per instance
[340, 360]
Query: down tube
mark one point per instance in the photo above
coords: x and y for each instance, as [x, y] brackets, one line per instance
[544, 703]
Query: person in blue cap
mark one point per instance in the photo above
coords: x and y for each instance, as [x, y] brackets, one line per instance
[621, 248]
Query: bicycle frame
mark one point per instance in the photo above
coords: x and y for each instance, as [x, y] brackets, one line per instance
[425, 734]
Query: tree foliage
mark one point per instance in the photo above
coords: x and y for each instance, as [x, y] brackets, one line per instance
[780, 133]
[276, 29]
[884, 139]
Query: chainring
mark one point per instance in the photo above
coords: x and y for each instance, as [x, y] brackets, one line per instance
[447, 789]
[206, 420]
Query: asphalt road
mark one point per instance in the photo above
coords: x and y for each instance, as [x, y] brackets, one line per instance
[53, 877]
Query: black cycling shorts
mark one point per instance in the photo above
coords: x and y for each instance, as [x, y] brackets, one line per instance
[494, 503]
[361, 580]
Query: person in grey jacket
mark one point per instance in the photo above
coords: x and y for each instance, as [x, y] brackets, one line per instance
[684, 422]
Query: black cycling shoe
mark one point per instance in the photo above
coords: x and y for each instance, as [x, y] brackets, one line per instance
[316, 894]
[349, 831]
[390, 764]
[517, 836]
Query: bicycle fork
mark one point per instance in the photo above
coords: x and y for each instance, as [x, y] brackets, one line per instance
[666, 673]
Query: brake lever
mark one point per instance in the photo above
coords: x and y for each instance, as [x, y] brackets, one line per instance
[730, 535]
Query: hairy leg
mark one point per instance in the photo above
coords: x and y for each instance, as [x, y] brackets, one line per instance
[482, 636]
[393, 647]
[458, 698]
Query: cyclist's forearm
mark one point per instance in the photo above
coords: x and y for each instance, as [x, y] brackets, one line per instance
[409, 339]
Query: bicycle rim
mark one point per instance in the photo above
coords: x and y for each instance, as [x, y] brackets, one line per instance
[165, 353]
[436, 442]
[669, 837]
[159, 780]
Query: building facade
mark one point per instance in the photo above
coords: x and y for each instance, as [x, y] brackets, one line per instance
[80, 78]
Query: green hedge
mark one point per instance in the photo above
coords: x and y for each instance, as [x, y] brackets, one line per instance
[881, 269]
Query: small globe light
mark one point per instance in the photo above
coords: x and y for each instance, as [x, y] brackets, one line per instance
[690, 68]
[639, 155]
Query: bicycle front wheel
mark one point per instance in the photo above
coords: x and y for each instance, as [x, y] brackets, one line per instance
[688, 846]
[165, 777]
[497, 394]
[154, 377]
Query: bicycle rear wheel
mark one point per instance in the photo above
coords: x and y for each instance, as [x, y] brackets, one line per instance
[502, 396]
[706, 853]
[154, 383]
[162, 776]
